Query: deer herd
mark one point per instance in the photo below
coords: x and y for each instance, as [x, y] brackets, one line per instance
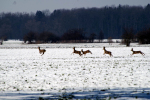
[42, 51]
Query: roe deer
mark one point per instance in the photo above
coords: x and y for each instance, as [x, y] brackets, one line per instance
[76, 52]
[137, 52]
[41, 51]
[107, 52]
[85, 52]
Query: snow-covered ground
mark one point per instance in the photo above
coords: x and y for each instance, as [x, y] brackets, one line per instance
[25, 74]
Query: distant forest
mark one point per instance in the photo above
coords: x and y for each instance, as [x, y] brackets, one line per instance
[91, 22]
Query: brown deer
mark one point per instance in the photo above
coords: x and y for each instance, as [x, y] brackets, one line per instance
[85, 52]
[41, 51]
[76, 52]
[107, 52]
[137, 52]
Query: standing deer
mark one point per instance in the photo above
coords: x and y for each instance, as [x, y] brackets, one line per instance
[41, 51]
[85, 52]
[137, 52]
[107, 52]
[76, 52]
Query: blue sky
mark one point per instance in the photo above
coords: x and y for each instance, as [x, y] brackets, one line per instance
[34, 5]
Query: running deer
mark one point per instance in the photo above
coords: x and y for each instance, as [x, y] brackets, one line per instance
[107, 52]
[137, 52]
[41, 51]
[85, 52]
[76, 52]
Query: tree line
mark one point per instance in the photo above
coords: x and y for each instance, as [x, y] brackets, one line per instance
[143, 36]
[70, 36]
[87, 23]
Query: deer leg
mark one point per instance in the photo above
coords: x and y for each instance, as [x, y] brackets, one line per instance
[72, 53]
[111, 55]
[142, 53]
[42, 54]
[131, 54]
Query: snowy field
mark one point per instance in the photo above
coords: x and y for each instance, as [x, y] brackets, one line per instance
[58, 74]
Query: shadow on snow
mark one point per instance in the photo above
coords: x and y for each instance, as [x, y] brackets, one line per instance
[117, 93]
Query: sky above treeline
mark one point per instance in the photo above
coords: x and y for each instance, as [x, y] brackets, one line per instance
[51, 5]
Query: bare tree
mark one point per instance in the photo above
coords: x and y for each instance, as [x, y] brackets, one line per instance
[144, 36]
[30, 37]
[101, 36]
[127, 36]
[91, 37]
[110, 40]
